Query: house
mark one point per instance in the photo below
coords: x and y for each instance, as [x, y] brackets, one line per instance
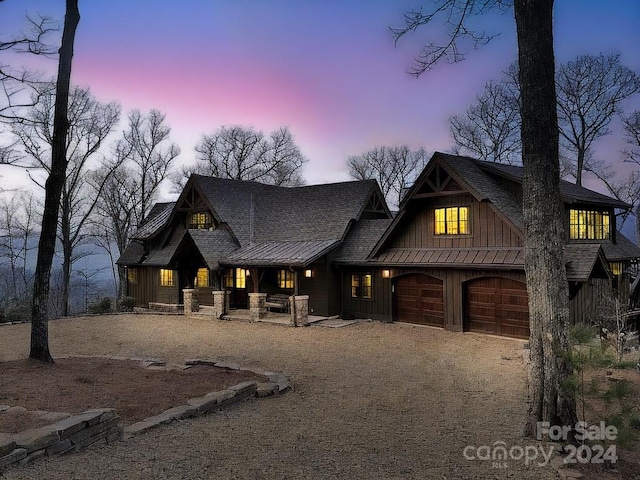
[452, 257]
[455, 258]
[248, 237]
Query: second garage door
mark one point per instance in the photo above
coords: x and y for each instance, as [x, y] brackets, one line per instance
[497, 305]
[419, 299]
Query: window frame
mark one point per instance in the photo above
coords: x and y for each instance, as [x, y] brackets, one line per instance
[285, 279]
[198, 273]
[359, 287]
[199, 224]
[132, 275]
[167, 277]
[444, 226]
[589, 224]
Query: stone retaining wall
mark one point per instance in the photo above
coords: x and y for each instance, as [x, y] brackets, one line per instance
[70, 434]
[76, 432]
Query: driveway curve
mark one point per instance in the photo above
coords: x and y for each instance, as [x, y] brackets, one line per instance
[370, 401]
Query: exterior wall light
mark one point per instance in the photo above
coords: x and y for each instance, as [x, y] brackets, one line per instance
[307, 273]
[386, 273]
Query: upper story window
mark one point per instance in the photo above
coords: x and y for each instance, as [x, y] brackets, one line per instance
[200, 221]
[285, 279]
[451, 221]
[589, 225]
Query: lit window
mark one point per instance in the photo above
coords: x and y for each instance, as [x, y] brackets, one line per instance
[202, 279]
[361, 285]
[241, 278]
[166, 278]
[616, 268]
[228, 278]
[132, 275]
[451, 221]
[589, 225]
[285, 279]
[200, 221]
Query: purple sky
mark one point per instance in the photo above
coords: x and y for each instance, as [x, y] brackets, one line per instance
[327, 69]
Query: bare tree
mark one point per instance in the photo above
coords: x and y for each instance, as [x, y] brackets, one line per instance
[631, 125]
[53, 190]
[490, 129]
[241, 153]
[591, 90]
[144, 156]
[17, 230]
[549, 394]
[395, 169]
[19, 85]
[90, 122]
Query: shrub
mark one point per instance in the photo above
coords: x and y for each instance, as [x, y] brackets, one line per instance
[101, 306]
[126, 304]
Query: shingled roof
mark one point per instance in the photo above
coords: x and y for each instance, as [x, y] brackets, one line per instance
[258, 213]
[261, 224]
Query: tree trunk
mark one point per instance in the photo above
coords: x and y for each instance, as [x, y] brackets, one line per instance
[580, 166]
[550, 399]
[66, 274]
[53, 190]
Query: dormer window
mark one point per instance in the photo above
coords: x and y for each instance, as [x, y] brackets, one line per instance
[589, 225]
[451, 221]
[200, 221]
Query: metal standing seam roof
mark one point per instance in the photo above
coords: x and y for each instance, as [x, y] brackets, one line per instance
[294, 254]
[512, 258]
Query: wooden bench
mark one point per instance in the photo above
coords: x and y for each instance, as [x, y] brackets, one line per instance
[278, 301]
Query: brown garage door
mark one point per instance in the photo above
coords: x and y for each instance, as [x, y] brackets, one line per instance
[419, 300]
[498, 306]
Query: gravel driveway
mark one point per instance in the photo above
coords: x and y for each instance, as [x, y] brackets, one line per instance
[370, 401]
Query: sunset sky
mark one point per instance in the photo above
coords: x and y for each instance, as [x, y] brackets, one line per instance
[327, 69]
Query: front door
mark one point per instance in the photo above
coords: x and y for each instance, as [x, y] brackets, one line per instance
[235, 282]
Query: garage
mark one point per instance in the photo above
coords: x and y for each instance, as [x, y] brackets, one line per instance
[498, 306]
[419, 299]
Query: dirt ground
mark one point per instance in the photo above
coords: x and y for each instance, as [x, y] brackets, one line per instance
[73, 385]
[372, 400]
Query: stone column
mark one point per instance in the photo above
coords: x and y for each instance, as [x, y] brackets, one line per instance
[190, 301]
[300, 310]
[257, 306]
[220, 304]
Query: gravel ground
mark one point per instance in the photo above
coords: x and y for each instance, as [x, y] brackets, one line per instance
[370, 401]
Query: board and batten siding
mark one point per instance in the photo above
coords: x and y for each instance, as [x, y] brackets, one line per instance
[488, 229]
[381, 306]
[378, 307]
[323, 288]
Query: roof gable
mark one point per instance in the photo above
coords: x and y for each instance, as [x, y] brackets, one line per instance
[258, 213]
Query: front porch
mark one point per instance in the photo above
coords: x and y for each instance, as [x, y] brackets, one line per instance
[295, 312]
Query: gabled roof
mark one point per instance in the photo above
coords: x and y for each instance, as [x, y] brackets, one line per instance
[569, 192]
[360, 240]
[157, 218]
[484, 181]
[583, 260]
[260, 224]
[258, 213]
[214, 245]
